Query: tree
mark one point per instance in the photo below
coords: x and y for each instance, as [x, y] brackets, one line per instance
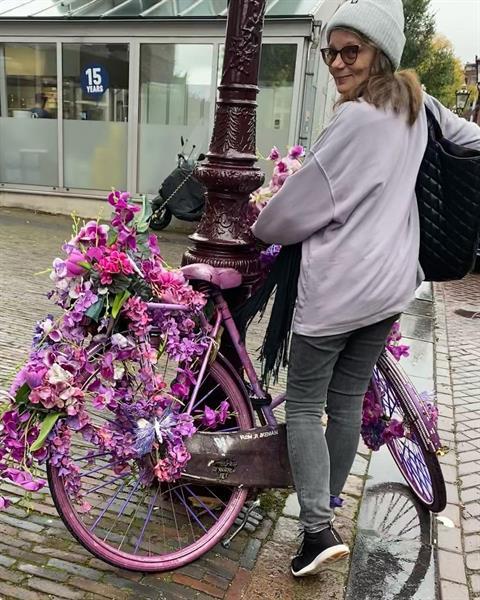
[441, 72]
[419, 31]
[431, 55]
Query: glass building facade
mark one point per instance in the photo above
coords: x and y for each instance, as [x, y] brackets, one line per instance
[81, 114]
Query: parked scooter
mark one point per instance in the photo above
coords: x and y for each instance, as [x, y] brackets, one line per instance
[181, 194]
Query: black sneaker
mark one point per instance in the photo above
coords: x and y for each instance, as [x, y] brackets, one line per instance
[317, 550]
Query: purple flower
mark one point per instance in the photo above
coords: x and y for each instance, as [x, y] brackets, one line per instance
[153, 245]
[92, 233]
[24, 479]
[4, 503]
[209, 417]
[336, 502]
[274, 154]
[223, 411]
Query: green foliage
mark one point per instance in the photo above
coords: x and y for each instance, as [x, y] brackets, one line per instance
[46, 427]
[419, 31]
[431, 55]
[441, 72]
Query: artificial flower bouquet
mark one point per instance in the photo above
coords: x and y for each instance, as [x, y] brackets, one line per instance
[86, 358]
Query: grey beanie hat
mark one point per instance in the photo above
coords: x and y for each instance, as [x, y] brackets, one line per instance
[381, 21]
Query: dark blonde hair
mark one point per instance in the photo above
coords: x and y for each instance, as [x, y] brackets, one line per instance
[399, 90]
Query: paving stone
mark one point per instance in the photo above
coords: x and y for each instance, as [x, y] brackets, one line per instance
[452, 566]
[218, 582]
[472, 509]
[471, 525]
[247, 561]
[472, 480]
[145, 592]
[468, 468]
[238, 586]
[6, 561]
[470, 495]
[27, 524]
[453, 591]
[97, 588]
[452, 493]
[471, 543]
[45, 572]
[473, 561]
[12, 591]
[201, 586]
[292, 507]
[74, 568]
[475, 583]
[57, 590]
[450, 473]
[354, 486]
[62, 554]
[449, 538]
[286, 531]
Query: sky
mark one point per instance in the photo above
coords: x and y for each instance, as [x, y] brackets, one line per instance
[459, 20]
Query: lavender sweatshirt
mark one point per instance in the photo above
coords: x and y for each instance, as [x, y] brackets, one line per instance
[353, 206]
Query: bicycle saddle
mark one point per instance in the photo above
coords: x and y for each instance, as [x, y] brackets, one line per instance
[225, 279]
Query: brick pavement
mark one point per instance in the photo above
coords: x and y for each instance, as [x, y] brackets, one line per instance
[458, 389]
[38, 557]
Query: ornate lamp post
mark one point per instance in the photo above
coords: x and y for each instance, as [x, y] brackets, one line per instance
[223, 237]
[462, 97]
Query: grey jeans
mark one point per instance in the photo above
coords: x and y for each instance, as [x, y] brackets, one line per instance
[327, 373]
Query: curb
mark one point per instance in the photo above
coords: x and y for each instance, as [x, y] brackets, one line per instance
[449, 539]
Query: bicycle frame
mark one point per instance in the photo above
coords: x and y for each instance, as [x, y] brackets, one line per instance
[224, 316]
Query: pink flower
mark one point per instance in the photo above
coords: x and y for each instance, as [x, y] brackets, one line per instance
[113, 263]
[72, 264]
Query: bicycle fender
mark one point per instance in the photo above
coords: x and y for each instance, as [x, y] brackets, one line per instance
[251, 458]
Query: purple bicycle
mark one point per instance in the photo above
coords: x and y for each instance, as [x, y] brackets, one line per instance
[148, 524]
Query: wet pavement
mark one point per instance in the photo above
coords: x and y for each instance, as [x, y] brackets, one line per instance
[394, 554]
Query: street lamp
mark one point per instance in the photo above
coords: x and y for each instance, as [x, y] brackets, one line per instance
[462, 97]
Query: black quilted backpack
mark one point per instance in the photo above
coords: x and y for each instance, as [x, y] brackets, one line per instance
[448, 194]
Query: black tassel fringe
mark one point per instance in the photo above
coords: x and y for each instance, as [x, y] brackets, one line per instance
[282, 280]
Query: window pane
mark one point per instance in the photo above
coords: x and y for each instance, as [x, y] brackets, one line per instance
[175, 89]
[95, 112]
[277, 73]
[276, 77]
[28, 122]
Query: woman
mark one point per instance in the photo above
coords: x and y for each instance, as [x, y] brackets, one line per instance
[353, 207]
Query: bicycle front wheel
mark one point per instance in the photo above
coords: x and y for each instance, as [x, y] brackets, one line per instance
[417, 462]
[153, 526]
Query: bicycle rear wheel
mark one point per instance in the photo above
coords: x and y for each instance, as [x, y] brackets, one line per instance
[151, 526]
[417, 461]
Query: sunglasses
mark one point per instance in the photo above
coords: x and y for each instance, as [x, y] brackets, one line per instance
[349, 55]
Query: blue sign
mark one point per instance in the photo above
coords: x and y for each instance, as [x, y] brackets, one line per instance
[94, 80]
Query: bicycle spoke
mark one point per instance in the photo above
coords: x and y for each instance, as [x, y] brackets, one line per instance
[149, 514]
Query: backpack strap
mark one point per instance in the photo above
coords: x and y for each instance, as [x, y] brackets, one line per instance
[435, 131]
